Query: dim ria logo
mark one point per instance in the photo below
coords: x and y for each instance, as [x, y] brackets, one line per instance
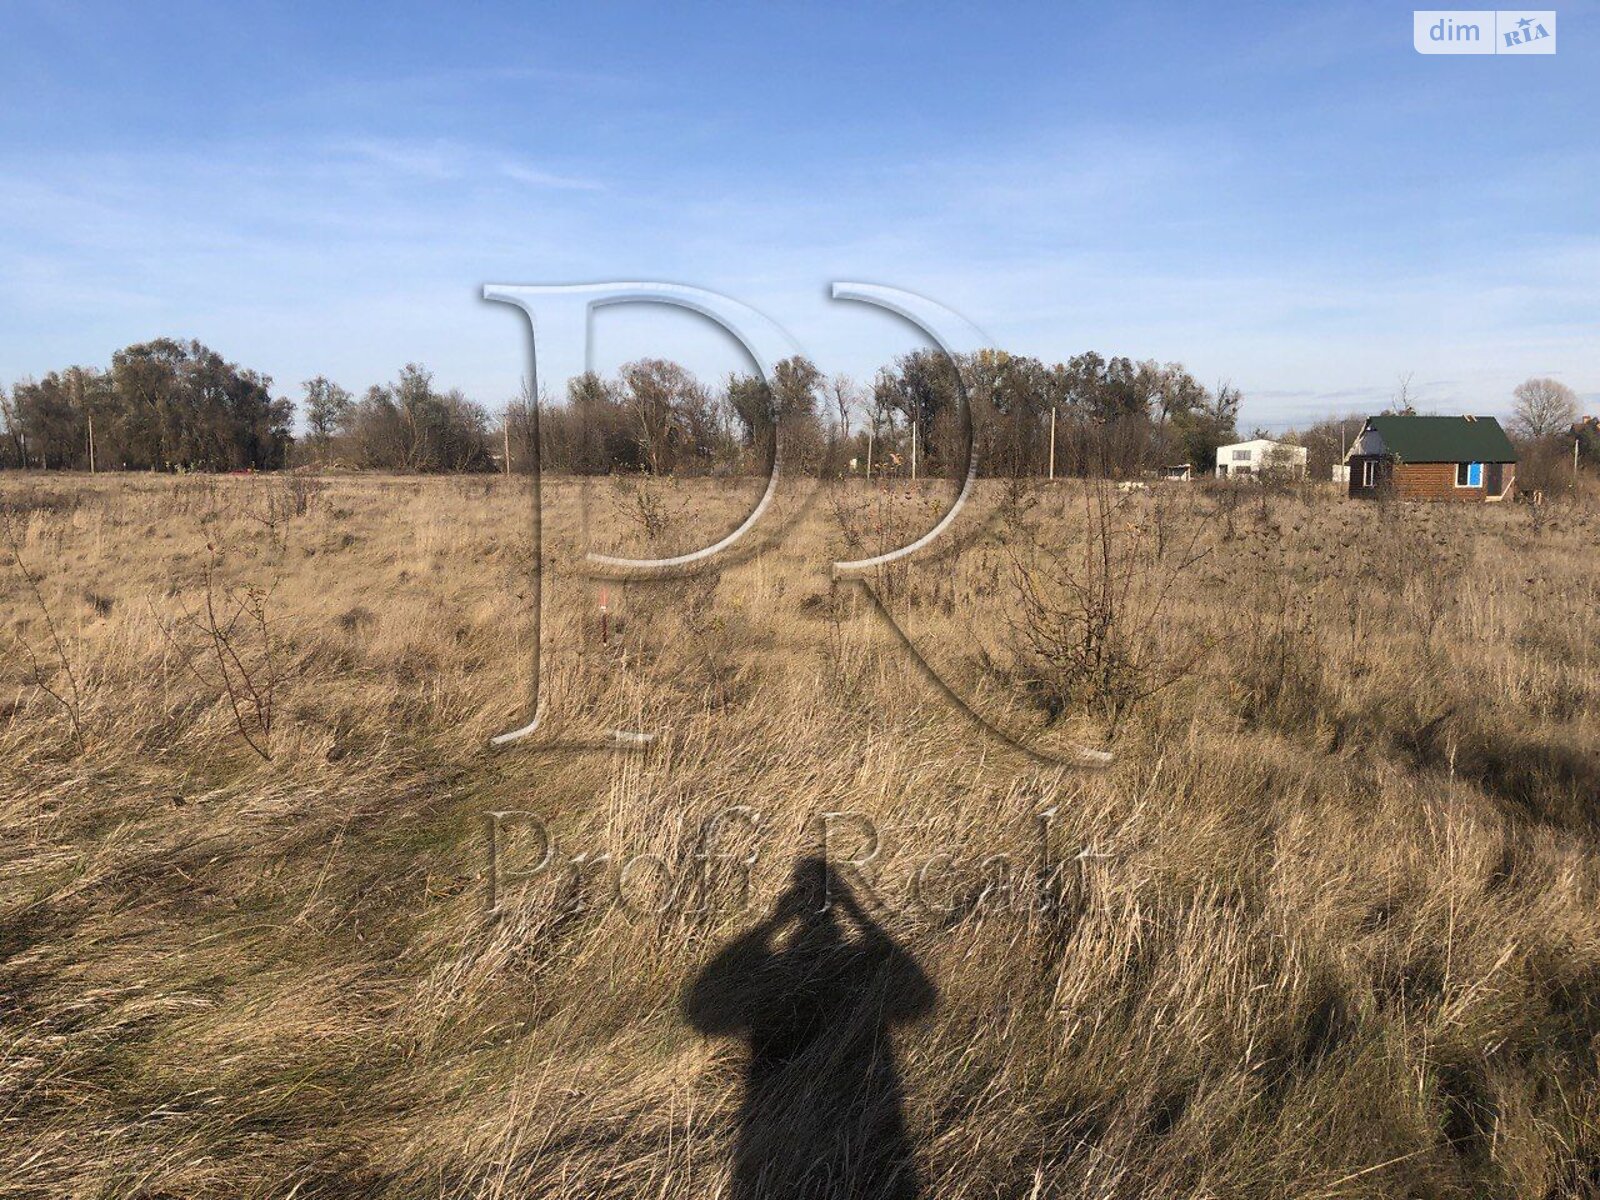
[1456, 31]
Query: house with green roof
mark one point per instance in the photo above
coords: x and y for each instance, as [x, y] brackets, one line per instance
[1432, 458]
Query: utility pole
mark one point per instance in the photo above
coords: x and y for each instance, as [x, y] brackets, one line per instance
[913, 450]
[871, 434]
[505, 428]
[1576, 442]
[1052, 441]
[91, 441]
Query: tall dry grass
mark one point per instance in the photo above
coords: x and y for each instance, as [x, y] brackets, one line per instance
[1328, 922]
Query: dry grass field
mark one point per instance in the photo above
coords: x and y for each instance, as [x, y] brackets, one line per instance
[1325, 926]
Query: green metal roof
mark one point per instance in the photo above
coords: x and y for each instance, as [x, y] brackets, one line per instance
[1444, 439]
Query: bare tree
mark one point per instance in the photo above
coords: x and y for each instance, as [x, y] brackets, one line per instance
[1328, 441]
[11, 443]
[327, 408]
[1404, 402]
[672, 414]
[1543, 407]
[844, 395]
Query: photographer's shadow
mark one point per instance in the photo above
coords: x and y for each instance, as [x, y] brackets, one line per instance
[823, 1107]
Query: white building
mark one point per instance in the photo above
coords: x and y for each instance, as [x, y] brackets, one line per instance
[1260, 456]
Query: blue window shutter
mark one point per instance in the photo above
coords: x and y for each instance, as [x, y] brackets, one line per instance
[1475, 475]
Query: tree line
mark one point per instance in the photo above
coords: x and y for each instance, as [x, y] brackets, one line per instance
[1090, 415]
[179, 406]
[162, 405]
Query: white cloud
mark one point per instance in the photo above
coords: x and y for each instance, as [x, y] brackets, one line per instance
[444, 161]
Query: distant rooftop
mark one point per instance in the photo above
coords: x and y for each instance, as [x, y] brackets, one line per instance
[1439, 439]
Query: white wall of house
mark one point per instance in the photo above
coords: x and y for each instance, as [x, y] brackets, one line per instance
[1259, 454]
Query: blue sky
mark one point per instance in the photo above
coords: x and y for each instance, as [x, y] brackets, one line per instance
[1287, 196]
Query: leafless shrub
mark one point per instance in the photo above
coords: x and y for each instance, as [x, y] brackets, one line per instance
[196, 494]
[1018, 499]
[643, 504]
[697, 595]
[876, 522]
[70, 697]
[1537, 512]
[227, 642]
[1276, 673]
[847, 665]
[850, 517]
[300, 491]
[274, 503]
[1227, 495]
[1087, 637]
